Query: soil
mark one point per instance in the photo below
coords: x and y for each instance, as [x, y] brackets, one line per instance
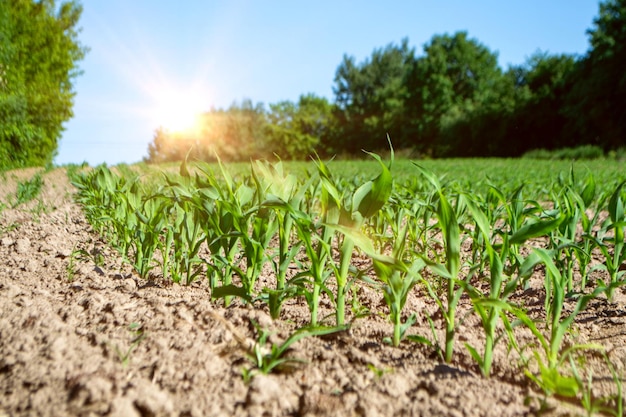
[81, 335]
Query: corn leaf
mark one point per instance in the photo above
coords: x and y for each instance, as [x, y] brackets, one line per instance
[372, 196]
[535, 229]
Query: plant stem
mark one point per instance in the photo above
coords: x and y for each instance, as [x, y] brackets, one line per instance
[316, 300]
[450, 330]
[397, 329]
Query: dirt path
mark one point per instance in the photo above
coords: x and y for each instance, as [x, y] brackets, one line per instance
[80, 335]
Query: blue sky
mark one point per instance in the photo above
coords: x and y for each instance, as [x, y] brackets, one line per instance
[151, 60]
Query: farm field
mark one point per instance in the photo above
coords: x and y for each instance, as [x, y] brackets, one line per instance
[446, 287]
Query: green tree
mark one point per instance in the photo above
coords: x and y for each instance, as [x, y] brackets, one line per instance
[297, 130]
[370, 98]
[542, 85]
[596, 104]
[39, 51]
[167, 146]
[239, 134]
[456, 76]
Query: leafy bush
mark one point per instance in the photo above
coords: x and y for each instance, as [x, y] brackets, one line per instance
[538, 154]
[579, 152]
[618, 154]
[39, 51]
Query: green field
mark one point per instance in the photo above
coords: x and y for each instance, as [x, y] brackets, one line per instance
[537, 176]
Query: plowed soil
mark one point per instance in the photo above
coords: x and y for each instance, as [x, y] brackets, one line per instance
[81, 335]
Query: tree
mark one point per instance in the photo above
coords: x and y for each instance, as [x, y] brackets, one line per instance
[596, 104]
[542, 87]
[234, 134]
[455, 77]
[296, 130]
[167, 146]
[238, 133]
[39, 51]
[370, 97]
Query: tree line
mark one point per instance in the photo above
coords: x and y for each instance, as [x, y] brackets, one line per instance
[452, 100]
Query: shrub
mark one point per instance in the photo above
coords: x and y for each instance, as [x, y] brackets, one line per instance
[579, 152]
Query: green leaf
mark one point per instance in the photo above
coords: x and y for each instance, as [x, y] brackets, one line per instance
[362, 241]
[372, 196]
[231, 290]
[184, 171]
[616, 212]
[430, 176]
[534, 229]
[307, 332]
[589, 190]
[555, 383]
[438, 268]
[475, 355]
[479, 217]
[494, 303]
[616, 205]
[528, 266]
[410, 321]
[419, 339]
[450, 228]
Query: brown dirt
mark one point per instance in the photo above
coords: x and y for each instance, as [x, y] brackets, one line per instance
[67, 346]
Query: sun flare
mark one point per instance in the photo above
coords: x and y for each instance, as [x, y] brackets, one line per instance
[179, 111]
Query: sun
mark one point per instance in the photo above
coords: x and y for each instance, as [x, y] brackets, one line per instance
[178, 111]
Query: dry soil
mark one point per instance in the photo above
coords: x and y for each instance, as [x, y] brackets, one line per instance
[81, 335]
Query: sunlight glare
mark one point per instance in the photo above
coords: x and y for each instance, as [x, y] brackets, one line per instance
[178, 111]
[161, 90]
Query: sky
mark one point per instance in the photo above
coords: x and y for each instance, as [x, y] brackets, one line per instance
[159, 62]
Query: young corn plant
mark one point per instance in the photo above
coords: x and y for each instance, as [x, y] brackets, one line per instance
[612, 235]
[267, 360]
[188, 237]
[285, 197]
[101, 193]
[501, 285]
[588, 199]
[249, 230]
[152, 220]
[397, 273]
[563, 240]
[122, 218]
[184, 231]
[216, 218]
[316, 240]
[365, 202]
[261, 226]
[610, 405]
[550, 377]
[513, 220]
[398, 278]
[316, 232]
[138, 334]
[448, 223]
[416, 199]
[584, 198]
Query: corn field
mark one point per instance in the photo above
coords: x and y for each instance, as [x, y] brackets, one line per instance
[321, 235]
